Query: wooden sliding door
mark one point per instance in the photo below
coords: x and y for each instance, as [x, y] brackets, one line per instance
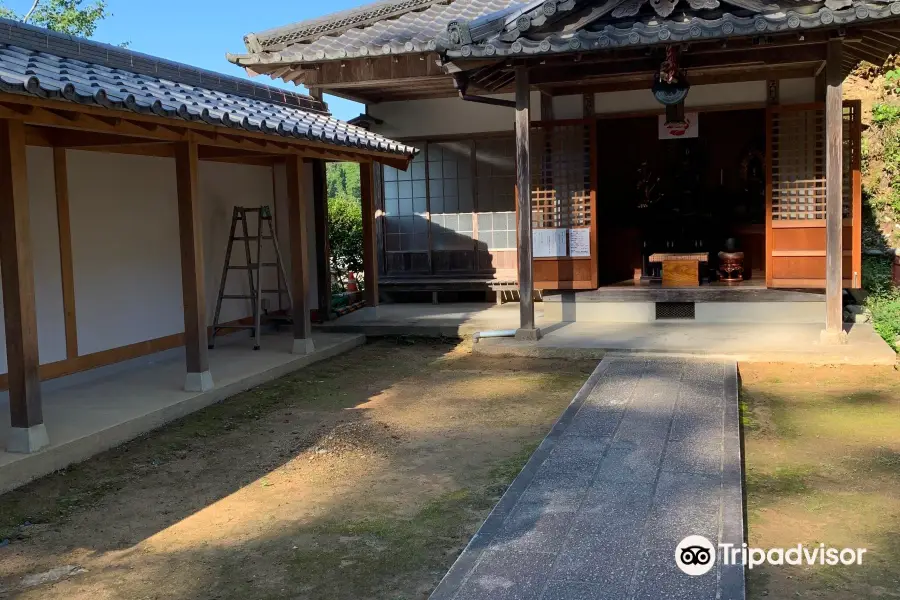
[796, 196]
[564, 205]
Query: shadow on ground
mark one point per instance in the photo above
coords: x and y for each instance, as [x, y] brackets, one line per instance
[360, 477]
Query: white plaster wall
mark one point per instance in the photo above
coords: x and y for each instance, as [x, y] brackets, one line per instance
[699, 96]
[125, 249]
[568, 107]
[797, 91]
[447, 116]
[125, 245]
[47, 272]
[222, 187]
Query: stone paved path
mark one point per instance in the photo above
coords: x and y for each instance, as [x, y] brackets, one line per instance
[647, 454]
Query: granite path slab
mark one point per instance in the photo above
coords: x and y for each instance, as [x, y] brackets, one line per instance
[647, 453]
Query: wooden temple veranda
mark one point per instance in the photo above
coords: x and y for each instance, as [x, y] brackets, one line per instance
[119, 172]
[627, 129]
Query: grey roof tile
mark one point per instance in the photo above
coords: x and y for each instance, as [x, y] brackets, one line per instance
[37, 62]
[534, 27]
[411, 32]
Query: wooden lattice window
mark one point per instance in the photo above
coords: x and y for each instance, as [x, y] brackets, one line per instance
[451, 195]
[561, 176]
[561, 189]
[798, 165]
[495, 173]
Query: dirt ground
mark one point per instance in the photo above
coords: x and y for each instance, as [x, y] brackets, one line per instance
[360, 477]
[822, 452]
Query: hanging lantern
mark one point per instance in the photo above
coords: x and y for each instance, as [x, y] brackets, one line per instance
[670, 85]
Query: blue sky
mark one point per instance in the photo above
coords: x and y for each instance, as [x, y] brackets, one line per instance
[200, 32]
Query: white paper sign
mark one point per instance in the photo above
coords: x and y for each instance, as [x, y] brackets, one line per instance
[580, 242]
[548, 242]
[690, 128]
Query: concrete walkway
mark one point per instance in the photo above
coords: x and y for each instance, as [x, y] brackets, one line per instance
[647, 454]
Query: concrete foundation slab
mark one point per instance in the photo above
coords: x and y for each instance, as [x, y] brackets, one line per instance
[798, 343]
[95, 414]
[760, 312]
[601, 312]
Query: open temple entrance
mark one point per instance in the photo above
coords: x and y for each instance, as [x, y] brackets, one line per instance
[698, 196]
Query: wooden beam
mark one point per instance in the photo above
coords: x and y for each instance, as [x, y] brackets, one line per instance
[28, 433]
[834, 125]
[190, 220]
[323, 250]
[297, 221]
[527, 329]
[67, 115]
[61, 180]
[370, 256]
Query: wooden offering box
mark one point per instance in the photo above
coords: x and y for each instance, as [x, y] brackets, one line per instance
[680, 270]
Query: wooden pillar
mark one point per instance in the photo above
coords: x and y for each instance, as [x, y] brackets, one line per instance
[199, 379]
[63, 220]
[527, 329]
[323, 251]
[28, 433]
[834, 326]
[370, 251]
[297, 220]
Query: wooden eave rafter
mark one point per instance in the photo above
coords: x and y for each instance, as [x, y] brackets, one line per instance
[411, 77]
[141, 130]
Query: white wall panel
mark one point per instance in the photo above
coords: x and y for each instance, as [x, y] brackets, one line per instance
[222, 187]
[125, 249]
[447, 116]
[720, 94]
[797, 91]
[45, 256]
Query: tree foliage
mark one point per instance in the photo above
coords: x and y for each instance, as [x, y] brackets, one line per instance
[66, 16]
[343, 181]
[344, 221]
[344, 238]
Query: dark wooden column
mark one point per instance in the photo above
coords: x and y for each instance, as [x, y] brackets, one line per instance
[834, 332]
[297, 220]
[28, 433]
[370, 250]
[193, 287]
[323, 251]
[527, 329]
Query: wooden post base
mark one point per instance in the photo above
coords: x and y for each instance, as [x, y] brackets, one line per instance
[833, 338]
[198, 382]
[22, 440]
[303, 346]
[528, 335]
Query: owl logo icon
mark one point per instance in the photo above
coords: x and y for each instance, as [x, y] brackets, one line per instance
[695, 555]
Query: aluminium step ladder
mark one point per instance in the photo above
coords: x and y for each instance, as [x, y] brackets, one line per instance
[254, 270]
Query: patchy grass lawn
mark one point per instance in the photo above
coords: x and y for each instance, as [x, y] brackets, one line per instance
[361, 477]
[822, 451]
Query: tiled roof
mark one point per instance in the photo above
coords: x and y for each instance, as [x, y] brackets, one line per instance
[497, 28]
[38, 62]
[354, 34]
[577, 25]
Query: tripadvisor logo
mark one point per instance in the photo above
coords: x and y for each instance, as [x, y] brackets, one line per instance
[696, 555]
